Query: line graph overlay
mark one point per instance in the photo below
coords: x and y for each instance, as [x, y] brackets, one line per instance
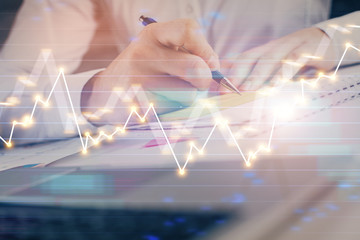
[88, 138]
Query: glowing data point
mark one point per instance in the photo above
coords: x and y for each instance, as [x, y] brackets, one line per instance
[151, 105]
[26, 121]
[102, 133]
[118, 89]
[87, 134]
[84, 151]
[136, 86]
[220, 121]
[347, 45]
[311, 56]
[207, 104]
[120, 129]
[142, 120]
[302, 100]
[248, 164]
[165, 152]
[62, 70]
[133, 108]
[9, 145]
[353, 26]
[96, 142]
[182, 172]
[201, 152]
[46, 50]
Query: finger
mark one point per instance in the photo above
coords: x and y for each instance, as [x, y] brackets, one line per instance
[188, 67]
[277, 80]
[240, 73]
[290, 66]
[162, 82]
[184, 33]
[269, 63]
[262, 72]
[148, 64]
[243, 65]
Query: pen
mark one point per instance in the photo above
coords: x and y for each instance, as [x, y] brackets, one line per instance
[216, 75]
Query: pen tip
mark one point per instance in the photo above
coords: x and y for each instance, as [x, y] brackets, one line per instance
[231, 85]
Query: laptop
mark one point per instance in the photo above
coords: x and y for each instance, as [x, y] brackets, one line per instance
[217, 198]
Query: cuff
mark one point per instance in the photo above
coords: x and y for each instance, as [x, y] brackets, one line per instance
[76, 83]
[340, 33]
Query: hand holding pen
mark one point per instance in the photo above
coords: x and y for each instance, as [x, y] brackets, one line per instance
[216, 75]
[154, 61]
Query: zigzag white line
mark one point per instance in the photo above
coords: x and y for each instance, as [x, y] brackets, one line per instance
[102, 135]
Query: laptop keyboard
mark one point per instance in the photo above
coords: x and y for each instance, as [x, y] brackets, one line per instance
[52, 223]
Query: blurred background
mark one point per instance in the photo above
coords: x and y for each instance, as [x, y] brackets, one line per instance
[101, 52]
[104, 50]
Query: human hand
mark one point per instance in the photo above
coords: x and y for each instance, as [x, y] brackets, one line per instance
[155, 62]
[264, 65]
